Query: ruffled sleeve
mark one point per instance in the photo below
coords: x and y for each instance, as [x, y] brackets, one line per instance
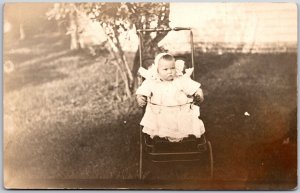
[145, 88]
[188, 85]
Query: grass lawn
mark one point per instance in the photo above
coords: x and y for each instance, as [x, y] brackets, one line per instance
[63, 118]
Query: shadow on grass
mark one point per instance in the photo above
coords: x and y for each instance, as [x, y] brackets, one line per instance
[99, 151]
[38, 75]
[43, 69]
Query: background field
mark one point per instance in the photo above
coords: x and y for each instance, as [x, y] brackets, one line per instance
[64, 121]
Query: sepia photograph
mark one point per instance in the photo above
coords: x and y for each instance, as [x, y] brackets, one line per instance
[150, 95]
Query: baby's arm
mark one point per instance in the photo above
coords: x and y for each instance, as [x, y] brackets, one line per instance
[192, 88]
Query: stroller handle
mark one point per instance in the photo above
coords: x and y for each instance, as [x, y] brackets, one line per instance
[163, 29]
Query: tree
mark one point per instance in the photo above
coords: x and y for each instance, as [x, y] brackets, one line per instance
[117, 18]
[157, 17]
[67, 15]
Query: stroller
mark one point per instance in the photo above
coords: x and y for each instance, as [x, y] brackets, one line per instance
[190, 149]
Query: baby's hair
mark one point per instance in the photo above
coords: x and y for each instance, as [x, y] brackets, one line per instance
[167, 57]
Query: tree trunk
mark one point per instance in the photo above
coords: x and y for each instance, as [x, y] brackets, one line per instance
[73, 31]
[120, 64]
[22, 32]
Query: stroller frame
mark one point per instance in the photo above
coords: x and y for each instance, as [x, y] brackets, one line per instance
[202, 145]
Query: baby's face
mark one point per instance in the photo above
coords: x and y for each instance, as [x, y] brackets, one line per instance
[166, 70]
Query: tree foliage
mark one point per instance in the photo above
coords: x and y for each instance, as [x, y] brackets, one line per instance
[117, 18]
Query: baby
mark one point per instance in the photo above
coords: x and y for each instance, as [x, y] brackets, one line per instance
[168, 94]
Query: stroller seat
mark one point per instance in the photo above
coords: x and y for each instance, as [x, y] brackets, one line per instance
[162, 150]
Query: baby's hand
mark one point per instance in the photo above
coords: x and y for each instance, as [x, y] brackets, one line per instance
[142, 100]
[198, 96]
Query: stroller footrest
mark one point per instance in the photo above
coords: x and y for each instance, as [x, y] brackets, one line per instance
[172, 157]
[177, 153]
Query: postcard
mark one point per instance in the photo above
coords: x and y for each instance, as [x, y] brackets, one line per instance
[150, 96]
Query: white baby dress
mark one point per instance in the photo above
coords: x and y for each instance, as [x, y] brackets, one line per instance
[169, 111]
